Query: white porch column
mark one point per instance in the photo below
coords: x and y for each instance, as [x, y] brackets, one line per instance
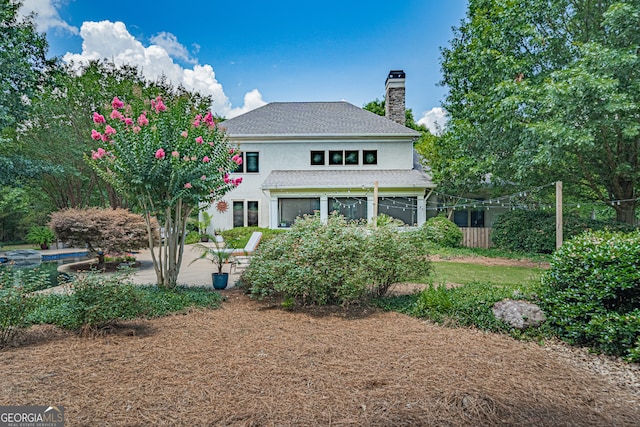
[273, 212]
[370, 208]
[324, 208]
[422, 211]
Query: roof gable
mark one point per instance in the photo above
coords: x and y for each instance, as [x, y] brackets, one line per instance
[313, 119]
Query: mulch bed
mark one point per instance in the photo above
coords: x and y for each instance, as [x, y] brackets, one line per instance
[253, 364]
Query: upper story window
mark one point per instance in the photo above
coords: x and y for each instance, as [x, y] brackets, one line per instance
[250, 162]
[370, 157]
[317, 158]
[336, 157]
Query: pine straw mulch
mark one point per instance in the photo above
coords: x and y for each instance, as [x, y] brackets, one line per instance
[252, 364]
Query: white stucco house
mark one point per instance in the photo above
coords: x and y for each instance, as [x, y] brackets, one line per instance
[318, 157]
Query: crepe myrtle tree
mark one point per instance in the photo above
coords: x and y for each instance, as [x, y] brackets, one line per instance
[166, 158]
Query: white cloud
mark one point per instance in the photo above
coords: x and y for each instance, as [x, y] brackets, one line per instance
[170, 43]
[112, 40]
[435, 120]
[47, 16]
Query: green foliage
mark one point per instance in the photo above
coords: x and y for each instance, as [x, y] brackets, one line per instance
[591, 293]
[240, 235]
[543, 91]
[14, 304]
[40, 235]
[192, 237]
[24, 280]
[385, 220]
[535, 231]
[466, 306]
[99, 300]
[336, 262]
[442, 232]
[144, 301]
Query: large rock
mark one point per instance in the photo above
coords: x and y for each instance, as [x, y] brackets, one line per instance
[519, 314]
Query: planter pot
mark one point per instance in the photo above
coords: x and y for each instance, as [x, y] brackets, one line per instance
[220, 280]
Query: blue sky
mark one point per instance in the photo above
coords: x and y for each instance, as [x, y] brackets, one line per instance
[247, 53]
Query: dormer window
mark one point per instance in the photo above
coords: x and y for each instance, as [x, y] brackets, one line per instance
[370, 157]
[317, 158]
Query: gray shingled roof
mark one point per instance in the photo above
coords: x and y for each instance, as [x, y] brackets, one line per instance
[313, 119]
[283, 180]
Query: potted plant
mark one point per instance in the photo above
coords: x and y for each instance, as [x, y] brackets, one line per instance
[219, 255]
[41, 235]
[204, 222]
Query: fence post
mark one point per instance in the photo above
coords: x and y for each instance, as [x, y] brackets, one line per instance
[558, 214]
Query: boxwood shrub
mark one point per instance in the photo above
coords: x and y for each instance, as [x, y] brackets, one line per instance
[442, 232]
[534, 231]
[337, 262]
[591, 293]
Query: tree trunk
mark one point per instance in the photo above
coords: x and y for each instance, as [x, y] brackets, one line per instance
[626, 211]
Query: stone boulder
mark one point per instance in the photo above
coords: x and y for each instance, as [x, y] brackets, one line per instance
[519, 314]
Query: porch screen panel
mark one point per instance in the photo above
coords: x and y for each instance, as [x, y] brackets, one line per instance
[291, 208]
[403, 208]
[353, 208]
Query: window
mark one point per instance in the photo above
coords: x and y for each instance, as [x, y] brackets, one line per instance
[469, 218]
[336, 157]
[351, 158]
[290, 209]
[403, 208]
[317, 158]
[354, 208]
[250, 163]
[370, 157]
[245, 214]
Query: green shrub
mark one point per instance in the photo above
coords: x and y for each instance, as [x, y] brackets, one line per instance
[591, 293]
[241, 235]
[192, 237]
[336, 262]
[159, 301]
[98, 300]
[14, 308]
[442, 232]
[535, 231]
[41, 236]
[25, 280]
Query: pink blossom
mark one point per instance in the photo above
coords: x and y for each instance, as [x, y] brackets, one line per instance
[196, 121]
[160, 154]
[116, 103]
[136, 129]
[142, 119]
[194, 158]
[237, 181]
[105, 137]
[208, 119]
[226, 178]
[175, 154]
[188, 185]
[109, 130]
[199, 140]
[98, 118]
[203, 177]
[237, 159]
[186, 158]
[158, 105]
[116, 115]
[95, 135]
[184, 134]
[128, 121]
[211, 143]
[233, 150]
[206, 159]
[98, 154]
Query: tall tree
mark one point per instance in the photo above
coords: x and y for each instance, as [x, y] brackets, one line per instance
[545, 90]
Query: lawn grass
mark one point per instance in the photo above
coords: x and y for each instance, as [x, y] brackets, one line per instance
[463, 274]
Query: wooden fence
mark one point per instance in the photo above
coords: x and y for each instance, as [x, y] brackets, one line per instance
[476, 237]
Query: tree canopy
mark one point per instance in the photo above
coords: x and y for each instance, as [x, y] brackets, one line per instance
[541, 91]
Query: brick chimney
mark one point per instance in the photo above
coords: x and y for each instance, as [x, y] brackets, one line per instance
[394, 97]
